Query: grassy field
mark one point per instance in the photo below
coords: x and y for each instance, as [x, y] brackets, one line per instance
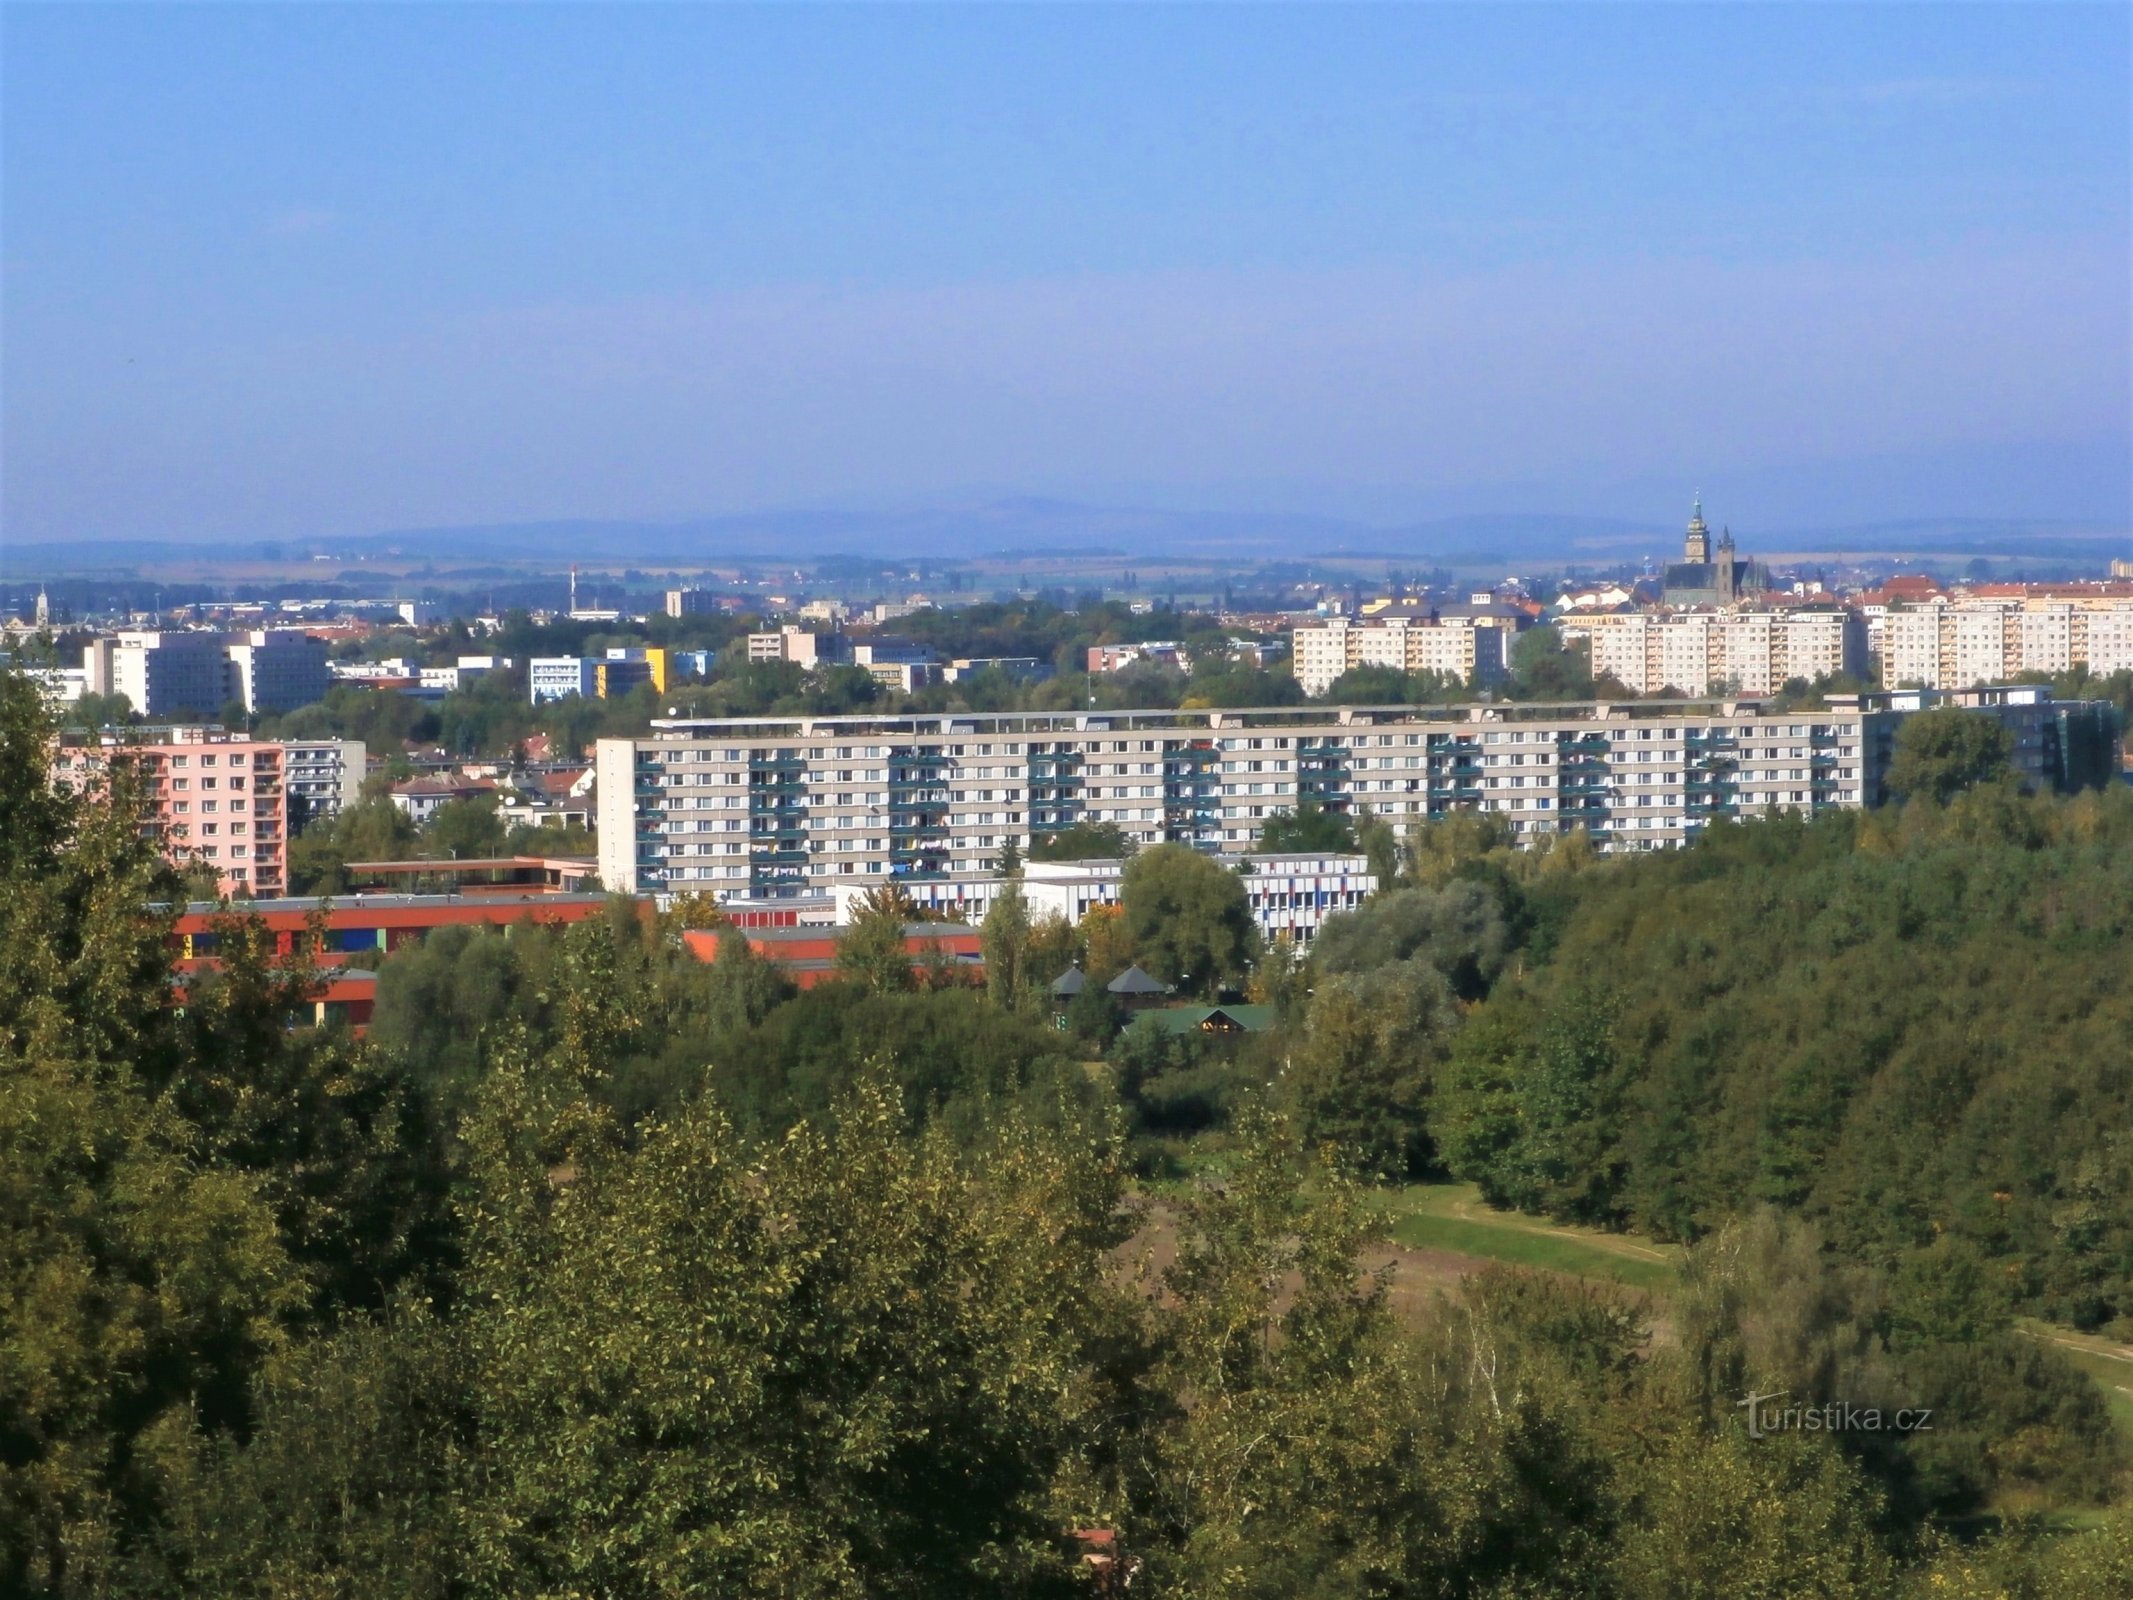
[1453, 1217]
[2110, 1364]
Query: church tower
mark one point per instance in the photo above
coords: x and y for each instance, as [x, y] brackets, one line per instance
[1697, 547]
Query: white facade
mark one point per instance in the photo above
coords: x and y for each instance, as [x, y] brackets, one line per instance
[2108, 647]
[322, 776]
[558, 677]
[757, 807]
[1958, 644]
[1469, 649]
[796, 645]
[167, 673]
[1721, 652]
[279, 669]
[161, 674]
[898, 663]
[1291, 894]
[62, 686]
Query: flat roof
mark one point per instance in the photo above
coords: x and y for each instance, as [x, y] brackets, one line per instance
[984, 724]
[981, 724]
[357, 900]
[471, 863]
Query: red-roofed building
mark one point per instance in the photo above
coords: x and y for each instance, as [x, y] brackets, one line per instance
[808, 956]
[375, 922]
[367, 925]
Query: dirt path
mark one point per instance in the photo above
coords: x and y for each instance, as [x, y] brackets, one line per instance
[1420, 1276]
[1477, 1211]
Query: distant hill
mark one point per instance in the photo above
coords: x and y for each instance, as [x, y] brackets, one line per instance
[1036, 528]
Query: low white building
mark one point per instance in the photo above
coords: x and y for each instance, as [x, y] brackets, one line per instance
[423, 798]
[1291, 894]
[559, 677]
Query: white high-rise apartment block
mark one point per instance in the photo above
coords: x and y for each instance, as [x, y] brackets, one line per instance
[2109, 642]
[168, 673]
[1465, 648]
[278, 669]
[1721, 652]
[774, 807]
[1960, 643]
[321, 776]
[162, 673]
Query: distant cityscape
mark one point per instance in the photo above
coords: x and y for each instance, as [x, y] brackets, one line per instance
[767, 745]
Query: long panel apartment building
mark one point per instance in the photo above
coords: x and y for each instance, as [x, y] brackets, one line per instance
[1953, 644]
[1722, 652]
[1470, 649]
[774, 807]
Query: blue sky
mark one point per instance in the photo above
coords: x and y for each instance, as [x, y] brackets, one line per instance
[293, 270]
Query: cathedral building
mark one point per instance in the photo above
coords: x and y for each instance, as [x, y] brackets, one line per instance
[1712, 577]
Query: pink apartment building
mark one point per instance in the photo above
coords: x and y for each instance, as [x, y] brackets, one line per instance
[218, 799]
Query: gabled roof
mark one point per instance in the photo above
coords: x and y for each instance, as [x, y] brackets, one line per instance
[1216, 1019]
[444, 786]
[1135, 981]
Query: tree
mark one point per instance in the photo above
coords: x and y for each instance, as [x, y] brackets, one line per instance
[853, 1364]
[1188, 918]
[1005, 941]
[1374, 836]
[1054, 945]
[1309, 827]
[1368, 686]
[1084, 841]
[137, 1280]
[871, 951]
[1008, 864]
[1942, 752]
[464, 830]
[101, 711]
[1360, 1079]
[742, 988]
[1458, 929]
[373, 829]
[1543, 668]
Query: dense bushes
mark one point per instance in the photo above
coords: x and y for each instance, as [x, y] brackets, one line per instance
[1900, 1025]
[599, 1270]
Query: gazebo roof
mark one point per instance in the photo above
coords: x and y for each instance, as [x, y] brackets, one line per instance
[1135, 981]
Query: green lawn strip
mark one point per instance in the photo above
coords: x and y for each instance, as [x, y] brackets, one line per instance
[1450, 1217]
[2098, 1358]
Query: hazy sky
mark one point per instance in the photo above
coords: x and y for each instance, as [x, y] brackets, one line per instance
[289, 270]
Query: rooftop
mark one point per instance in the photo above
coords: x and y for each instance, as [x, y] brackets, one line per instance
[1274, 719]
[305, 904]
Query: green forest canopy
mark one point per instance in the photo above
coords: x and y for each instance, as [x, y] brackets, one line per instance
[598, 1270]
